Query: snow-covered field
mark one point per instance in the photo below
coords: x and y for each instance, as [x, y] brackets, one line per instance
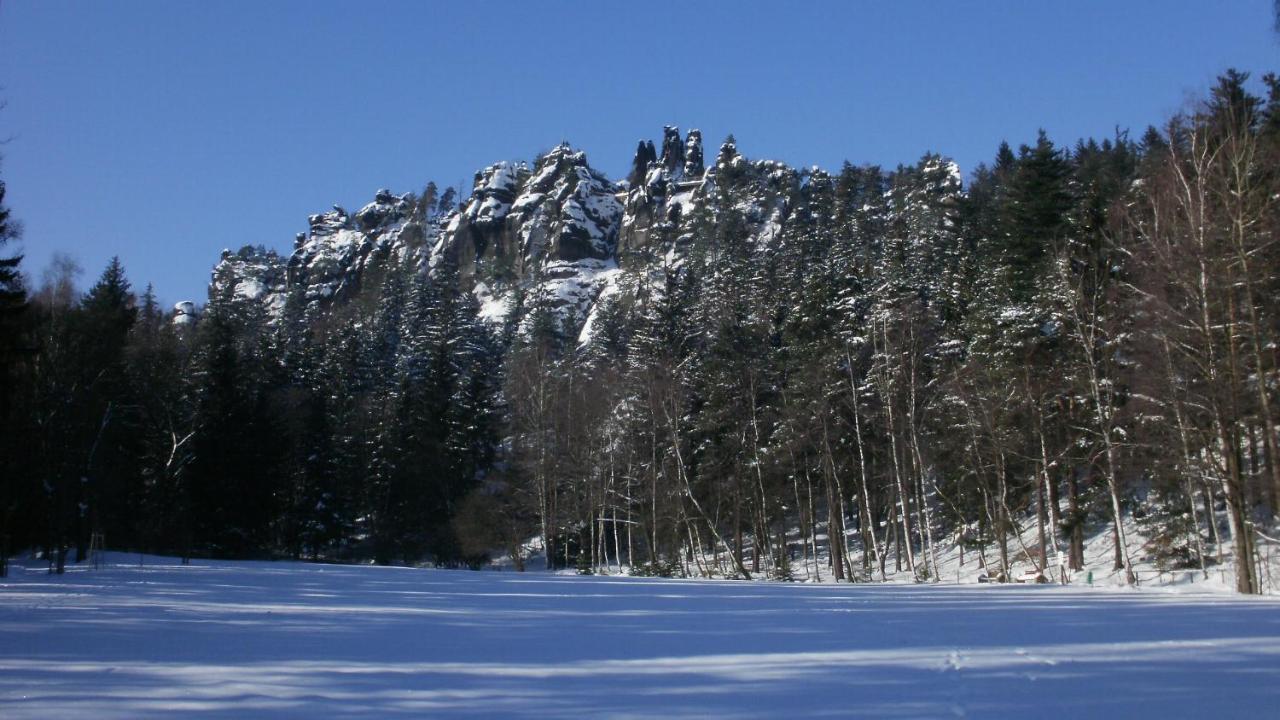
[243, 640]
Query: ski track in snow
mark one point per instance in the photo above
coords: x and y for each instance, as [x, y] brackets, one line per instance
[244, 639]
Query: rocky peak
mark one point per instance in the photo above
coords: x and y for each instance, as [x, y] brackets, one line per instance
[329, 262]
[328, 223]
[672, 150]
[252, 274]
[185, 313]
[586, 209]
[385, 209]
[644, 158]
[693, 166]
[556, 231]
[516, 219]
[493, 193]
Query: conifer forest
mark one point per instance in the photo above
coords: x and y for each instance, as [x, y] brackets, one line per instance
[716, 366]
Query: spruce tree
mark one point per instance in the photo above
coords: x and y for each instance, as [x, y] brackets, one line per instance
[1035, 214]
[106, 317]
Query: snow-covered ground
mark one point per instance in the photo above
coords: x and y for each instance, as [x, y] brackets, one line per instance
[240, 640]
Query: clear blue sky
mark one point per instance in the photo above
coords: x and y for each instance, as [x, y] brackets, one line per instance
[165, 131]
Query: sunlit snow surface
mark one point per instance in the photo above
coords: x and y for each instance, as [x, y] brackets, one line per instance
[240, 640]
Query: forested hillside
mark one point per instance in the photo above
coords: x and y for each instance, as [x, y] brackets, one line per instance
[715, 366]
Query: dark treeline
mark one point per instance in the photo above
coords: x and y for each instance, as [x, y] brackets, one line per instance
[244, 438]
[1083, 334]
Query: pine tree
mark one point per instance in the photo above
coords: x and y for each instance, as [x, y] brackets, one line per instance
[429, 202]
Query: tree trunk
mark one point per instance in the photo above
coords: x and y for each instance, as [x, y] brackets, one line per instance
[870, 543]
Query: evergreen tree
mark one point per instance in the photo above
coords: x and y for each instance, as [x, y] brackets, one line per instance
[13, 298]
[1035, 214]
[233, 491]
[13, 348]
[106, 317]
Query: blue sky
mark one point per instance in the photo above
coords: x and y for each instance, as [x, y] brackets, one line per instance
[163, 132]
